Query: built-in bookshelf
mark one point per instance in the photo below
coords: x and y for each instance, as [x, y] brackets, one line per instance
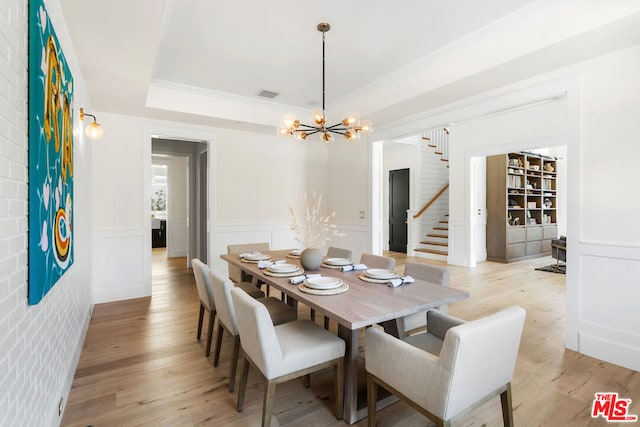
[521, 206]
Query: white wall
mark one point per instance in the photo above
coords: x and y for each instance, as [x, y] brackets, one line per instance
[40, 344]
[253, 178]
[596, 121]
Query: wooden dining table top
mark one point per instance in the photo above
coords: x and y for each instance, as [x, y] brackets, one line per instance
[365, 303]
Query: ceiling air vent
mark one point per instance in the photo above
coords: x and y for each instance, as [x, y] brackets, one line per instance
[267, 93]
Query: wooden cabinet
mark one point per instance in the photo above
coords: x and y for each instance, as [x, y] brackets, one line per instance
[521, 206]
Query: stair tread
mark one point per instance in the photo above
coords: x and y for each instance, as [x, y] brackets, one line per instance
[431, 251]
[442, 236]
[431, 242]
[441, 228]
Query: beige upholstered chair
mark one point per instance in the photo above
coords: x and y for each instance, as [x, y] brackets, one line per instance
[333, 252]
[201, 274]
[459, 366]
[378, 261]
[278, 313]
[283, 352]
[429, 273]
[236, 274]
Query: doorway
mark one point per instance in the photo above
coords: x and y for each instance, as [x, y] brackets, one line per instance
[398, 206]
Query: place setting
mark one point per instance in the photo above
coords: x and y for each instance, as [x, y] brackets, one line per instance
[254, 257]
[294, 254]
[282, 269]
[317, 284]
[384, 276]
[336, 263]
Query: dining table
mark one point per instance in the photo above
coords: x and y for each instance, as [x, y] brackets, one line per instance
[364, 304]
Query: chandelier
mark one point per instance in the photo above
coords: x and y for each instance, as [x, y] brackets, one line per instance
[351, 127]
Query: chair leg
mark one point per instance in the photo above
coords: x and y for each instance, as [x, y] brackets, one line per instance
[306, 380]
[200, 319]
[267, 406]
[212, 318]
[234, 363]
[338, 379]
[507, 407]
[243, 383]
[372, 400]
[216, 356]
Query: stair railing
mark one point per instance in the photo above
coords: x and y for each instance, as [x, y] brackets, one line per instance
[430, 202]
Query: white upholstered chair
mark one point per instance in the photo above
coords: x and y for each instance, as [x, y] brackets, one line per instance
[201, 274]
[236, 274]
[459, 366]
[378, 261]
[221, 286]
[429, 273]
[284, 352]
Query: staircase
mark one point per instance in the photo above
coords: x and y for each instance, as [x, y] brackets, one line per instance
[434, 216]
[437, 242]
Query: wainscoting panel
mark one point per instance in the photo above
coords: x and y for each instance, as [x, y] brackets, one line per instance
[608, 325]
[119, 265]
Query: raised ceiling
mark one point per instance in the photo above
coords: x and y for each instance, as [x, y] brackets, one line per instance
[204, 62]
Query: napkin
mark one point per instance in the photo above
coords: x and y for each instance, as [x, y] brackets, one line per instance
[265, 264]
[354, 267]
[394, 283]
[302, 278]
[246, 254]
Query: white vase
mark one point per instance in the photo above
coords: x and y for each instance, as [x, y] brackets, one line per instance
[311, 258]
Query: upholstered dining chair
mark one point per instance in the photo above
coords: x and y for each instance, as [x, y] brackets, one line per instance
[284, 352]
[429, 273]
[450, 369]
[236, 274]
[378, 261]
[277, 311]
[207, 300]
[334, 252]
[201, 274]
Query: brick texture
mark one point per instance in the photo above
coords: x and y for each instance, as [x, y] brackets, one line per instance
[38, 344]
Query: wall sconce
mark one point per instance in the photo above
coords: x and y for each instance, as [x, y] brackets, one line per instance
[94, 130]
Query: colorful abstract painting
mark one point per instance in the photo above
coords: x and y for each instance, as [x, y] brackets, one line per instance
[50, 156]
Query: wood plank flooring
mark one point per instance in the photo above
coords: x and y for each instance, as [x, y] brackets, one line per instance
[141, 364]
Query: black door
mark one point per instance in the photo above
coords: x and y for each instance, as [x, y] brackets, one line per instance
[398, 205]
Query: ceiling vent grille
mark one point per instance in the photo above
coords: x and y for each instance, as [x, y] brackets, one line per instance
[267, 93]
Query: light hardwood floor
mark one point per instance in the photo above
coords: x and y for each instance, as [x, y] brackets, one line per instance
[141, 363]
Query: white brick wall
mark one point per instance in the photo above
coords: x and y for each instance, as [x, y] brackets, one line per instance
[39, 345]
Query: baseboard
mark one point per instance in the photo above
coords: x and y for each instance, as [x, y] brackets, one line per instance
[610, 351]
[128, 289]
[68, 381]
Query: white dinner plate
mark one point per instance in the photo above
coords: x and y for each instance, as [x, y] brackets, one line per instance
[323, 283]
[257, 257]
[380, 273]
[282, 268]
[296, 252]
[337, 261]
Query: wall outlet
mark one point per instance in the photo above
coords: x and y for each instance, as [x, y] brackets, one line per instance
[361, 214]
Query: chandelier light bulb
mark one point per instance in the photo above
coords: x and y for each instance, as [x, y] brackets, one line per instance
[365, 126]
[317, 117]
[327, 137]
[350, 120]
[290, 121]
[351, 135]
[301, 135]
[285, 131]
